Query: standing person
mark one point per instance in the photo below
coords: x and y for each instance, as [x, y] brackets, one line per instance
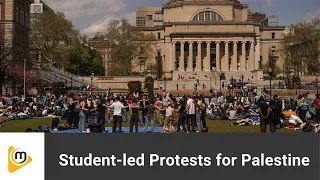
[149, 109]
[191, 114]
[101, 106]
[204, 111]
[142, 105]
[82, 114]
[134, 109]
[125, 110]
[199, 109]
[71, 108]
[157, 111]
[302, 108]
[168, 119]
[275, 108]
[316, 104]
[165, 100]
[264, 112]
[182, 115]
[117, 115]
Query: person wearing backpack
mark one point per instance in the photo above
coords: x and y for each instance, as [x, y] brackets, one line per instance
[264, 116]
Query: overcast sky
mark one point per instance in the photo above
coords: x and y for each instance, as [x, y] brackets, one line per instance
[92, 16]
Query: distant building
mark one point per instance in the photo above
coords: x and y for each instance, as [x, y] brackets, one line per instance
[14, 27]
[210, 36]
[101, 44]
[258, 17]
[149, 17]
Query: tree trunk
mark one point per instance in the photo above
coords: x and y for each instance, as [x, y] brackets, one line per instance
[1, 82]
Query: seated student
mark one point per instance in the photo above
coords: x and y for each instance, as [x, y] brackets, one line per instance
[56, 126]
[232, 114]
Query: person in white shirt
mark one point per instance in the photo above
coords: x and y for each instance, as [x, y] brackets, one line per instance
[117, 114]
[168, 118]
[232, 114]
[191, 114]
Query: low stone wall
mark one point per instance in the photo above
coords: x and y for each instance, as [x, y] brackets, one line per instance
[112, 82]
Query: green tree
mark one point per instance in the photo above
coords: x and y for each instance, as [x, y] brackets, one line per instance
[149, 85]
[84, 60]
[53, 35]
[12, 52]
[128, 46]
[301, 47]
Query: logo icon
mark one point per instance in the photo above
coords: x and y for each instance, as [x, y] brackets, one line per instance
[17, 158]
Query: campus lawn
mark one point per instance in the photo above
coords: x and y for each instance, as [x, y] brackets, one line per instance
[214, 126]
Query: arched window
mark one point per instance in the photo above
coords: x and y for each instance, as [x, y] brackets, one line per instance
[208, 16]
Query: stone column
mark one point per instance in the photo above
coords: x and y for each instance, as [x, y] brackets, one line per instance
[235, 56]
[225, 63]
[257, 54]
[181, 63]
[173, 50]
[251, 58]
[218, 64]
[199, 68]
[243, 57]
[207, 62]
[190, 60]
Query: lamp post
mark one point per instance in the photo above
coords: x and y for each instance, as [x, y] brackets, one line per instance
[242, 77]
[24, 79]
[211, 82]
[270, 75]
[231, 85]
[92, 82]
[221, 77]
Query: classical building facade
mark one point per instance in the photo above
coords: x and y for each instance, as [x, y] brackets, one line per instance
[210, 37]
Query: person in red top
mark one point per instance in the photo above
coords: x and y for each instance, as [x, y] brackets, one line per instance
[316, 104]
[157, 111]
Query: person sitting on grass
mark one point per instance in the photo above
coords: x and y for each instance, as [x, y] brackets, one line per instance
[56, 126]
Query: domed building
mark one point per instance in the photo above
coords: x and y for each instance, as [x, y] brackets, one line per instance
[211, 36]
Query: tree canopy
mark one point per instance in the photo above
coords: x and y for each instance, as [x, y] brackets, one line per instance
[85, 60]
[53, 35]
[301, 47]
[128, 46]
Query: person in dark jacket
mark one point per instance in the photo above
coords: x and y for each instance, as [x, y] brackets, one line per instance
[275, 110]
[264, 111]
[149, 109]
[182, 115]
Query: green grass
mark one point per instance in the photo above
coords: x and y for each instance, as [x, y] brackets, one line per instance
[214, 126]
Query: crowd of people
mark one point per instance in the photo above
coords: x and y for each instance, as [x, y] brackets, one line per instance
[174, 114]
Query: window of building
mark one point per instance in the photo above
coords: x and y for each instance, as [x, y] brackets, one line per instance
[149, 17]
[142, 65]
[0, 11]
[21, 18]
[273, 35]
[207, 16]
[17, 15]
[159, 35]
